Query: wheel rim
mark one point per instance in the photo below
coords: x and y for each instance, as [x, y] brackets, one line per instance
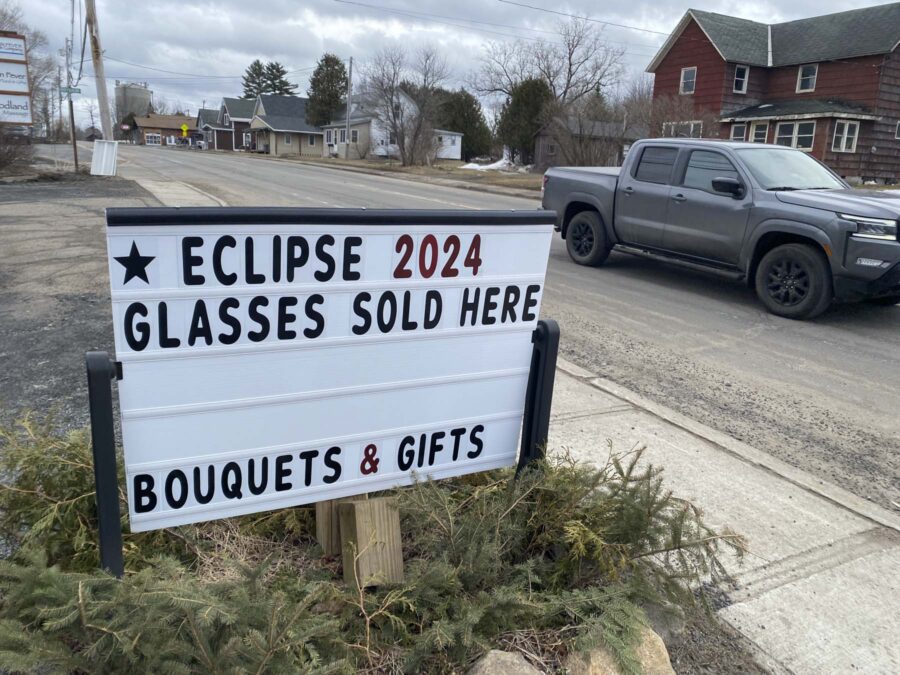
[787, 282]
[582, 238]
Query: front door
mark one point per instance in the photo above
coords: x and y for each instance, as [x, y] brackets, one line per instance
[704, 223]
[642, 197]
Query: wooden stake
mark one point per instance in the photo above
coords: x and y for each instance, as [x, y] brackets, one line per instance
[370, 542]
[328, 524]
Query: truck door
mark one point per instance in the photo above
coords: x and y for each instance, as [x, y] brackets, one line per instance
[702, 222]
[642, 197]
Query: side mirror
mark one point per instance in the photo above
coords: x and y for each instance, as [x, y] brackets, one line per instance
[728, 186]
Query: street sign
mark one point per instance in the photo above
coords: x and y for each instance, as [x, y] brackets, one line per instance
[184, 130]
[15, 108]
[276, 357]
[70, 90]
[14, 78]
[12, 48]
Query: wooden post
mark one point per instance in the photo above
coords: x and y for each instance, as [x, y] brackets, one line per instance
[328, 524]
[370, 542]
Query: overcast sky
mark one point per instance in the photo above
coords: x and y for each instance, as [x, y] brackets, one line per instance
[217, 39]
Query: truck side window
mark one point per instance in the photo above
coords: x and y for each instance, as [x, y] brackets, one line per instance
[703, 166]
[655, 165]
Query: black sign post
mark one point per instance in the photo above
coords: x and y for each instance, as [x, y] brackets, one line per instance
[539, 395]
[101, 370]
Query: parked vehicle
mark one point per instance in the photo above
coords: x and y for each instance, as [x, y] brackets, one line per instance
[766, 214]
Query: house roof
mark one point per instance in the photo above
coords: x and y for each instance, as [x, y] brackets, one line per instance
[286, 113]
[154, 121]
[208, 117]
[800, 109]
[239, 108]
[857, 32]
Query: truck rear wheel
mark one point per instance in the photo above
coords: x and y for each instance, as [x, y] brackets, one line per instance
[794, 281]
[586, 239]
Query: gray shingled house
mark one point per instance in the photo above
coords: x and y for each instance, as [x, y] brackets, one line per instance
[279, 127]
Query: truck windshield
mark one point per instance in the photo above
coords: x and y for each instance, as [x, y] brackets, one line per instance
[786, 169]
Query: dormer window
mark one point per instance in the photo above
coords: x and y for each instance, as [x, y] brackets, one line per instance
[806, 77]
[741, 76]
[688, 80]
[227, 120]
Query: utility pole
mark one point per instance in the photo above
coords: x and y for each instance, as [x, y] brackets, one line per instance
[71, 108]
[93, 27]
[349, 94]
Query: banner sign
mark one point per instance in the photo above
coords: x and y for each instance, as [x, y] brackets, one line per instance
[15, 108]
[14, 78]
[12, 48]
[277, 357]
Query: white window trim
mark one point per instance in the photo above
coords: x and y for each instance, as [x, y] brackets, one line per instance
[343, 136]
[354, 135]
[746, 78]
[843, 148]
[681, 82]
[815, 77]
[690, 128]
[743, 136]
[227, 120]
[796, 127]
[287, 139]
[897, 131]
[754, 126]
[328, 136]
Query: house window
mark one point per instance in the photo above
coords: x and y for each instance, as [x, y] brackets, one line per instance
[741, 76]
[738, 132]
[392, 139]
[354, 135]
[287, 139]
[845, 133]
[551, 148]
[683, 129]
[246, 139]
[798, 135]
[441, 140]
[688, 80]
[153, 139]
[328, 136]
[806, 77]
[343, 136]
[897, 131]
[312, 141]
[759, 132]
[453, 140]
[227, 120]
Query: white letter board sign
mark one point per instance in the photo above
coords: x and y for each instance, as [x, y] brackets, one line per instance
[277, 357]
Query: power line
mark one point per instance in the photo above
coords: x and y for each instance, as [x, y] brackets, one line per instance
[583, 18]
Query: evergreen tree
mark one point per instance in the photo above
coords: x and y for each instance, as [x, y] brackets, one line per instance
[522, 116]
[275, 80]
[460, 111]
[326, 90]
[254, 80]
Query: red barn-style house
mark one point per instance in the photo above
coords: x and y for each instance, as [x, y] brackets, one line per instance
[828, 85]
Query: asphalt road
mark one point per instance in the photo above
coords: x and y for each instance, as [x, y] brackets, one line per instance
[822, 395]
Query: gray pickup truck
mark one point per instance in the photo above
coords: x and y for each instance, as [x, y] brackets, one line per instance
[766, 214]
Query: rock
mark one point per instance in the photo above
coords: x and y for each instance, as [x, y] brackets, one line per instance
[651, 654]
[496, 662]
[666, 620]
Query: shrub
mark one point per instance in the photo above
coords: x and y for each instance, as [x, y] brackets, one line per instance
[14, 152]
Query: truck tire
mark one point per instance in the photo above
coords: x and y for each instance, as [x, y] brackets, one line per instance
[586, 239]
[794, 281]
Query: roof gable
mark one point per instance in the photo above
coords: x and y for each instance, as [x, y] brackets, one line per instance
[284, 113]
[239, 108]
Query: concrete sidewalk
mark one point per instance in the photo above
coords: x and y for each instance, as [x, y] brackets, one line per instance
[819, 591]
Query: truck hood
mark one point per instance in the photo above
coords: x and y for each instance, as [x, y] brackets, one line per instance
[871, 203]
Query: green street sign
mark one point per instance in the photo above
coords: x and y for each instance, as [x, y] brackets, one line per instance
[70, 90]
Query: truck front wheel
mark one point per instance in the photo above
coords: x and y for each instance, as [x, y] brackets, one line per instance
[586, 239]
[794, 281]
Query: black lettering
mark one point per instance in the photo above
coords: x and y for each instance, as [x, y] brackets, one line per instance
[405, 322]
[260, 318]
[282, 473]
[276, 258]
[232, 488]
[351, 258]
[469, 306]
[264, 475]
[189, 261]
[332, 464]
[314, 315]
[457, 435]
[510, 299]
[362, 313]
[489, 306]
[210, 485]
[286, 317]
[144, 497]
[308, 456]
[250, 275]
[165, 341]
[387, 299]
[178, 475]
[325, 257]
[433, 307]
[476, 441]
[200, 325]
[143, 328]
[226, 241]
[422, 445]
[229, 320]
[435, 447]
[530, 302]
[297, 255]
[405, 453]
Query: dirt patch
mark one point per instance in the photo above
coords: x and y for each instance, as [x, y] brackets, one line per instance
[708, 646]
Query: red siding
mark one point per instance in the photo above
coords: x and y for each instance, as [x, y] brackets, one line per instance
[851, 80]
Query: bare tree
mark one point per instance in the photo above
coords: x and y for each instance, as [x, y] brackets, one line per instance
[579, 63]
[404, 93]
[667, 115]
[90, 108]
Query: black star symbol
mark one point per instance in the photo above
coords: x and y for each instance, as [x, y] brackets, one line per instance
[135, 264]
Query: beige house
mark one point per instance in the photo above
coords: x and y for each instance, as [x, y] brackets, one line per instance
[279, 127]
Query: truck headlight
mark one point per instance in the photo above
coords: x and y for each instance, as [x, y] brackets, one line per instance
[872, 228]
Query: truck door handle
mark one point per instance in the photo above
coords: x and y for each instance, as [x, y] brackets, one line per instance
[628, 191]
[679, 198]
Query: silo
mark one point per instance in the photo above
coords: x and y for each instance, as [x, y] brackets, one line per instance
[132, 98]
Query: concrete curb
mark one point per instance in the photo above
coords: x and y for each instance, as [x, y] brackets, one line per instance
[747, 453]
